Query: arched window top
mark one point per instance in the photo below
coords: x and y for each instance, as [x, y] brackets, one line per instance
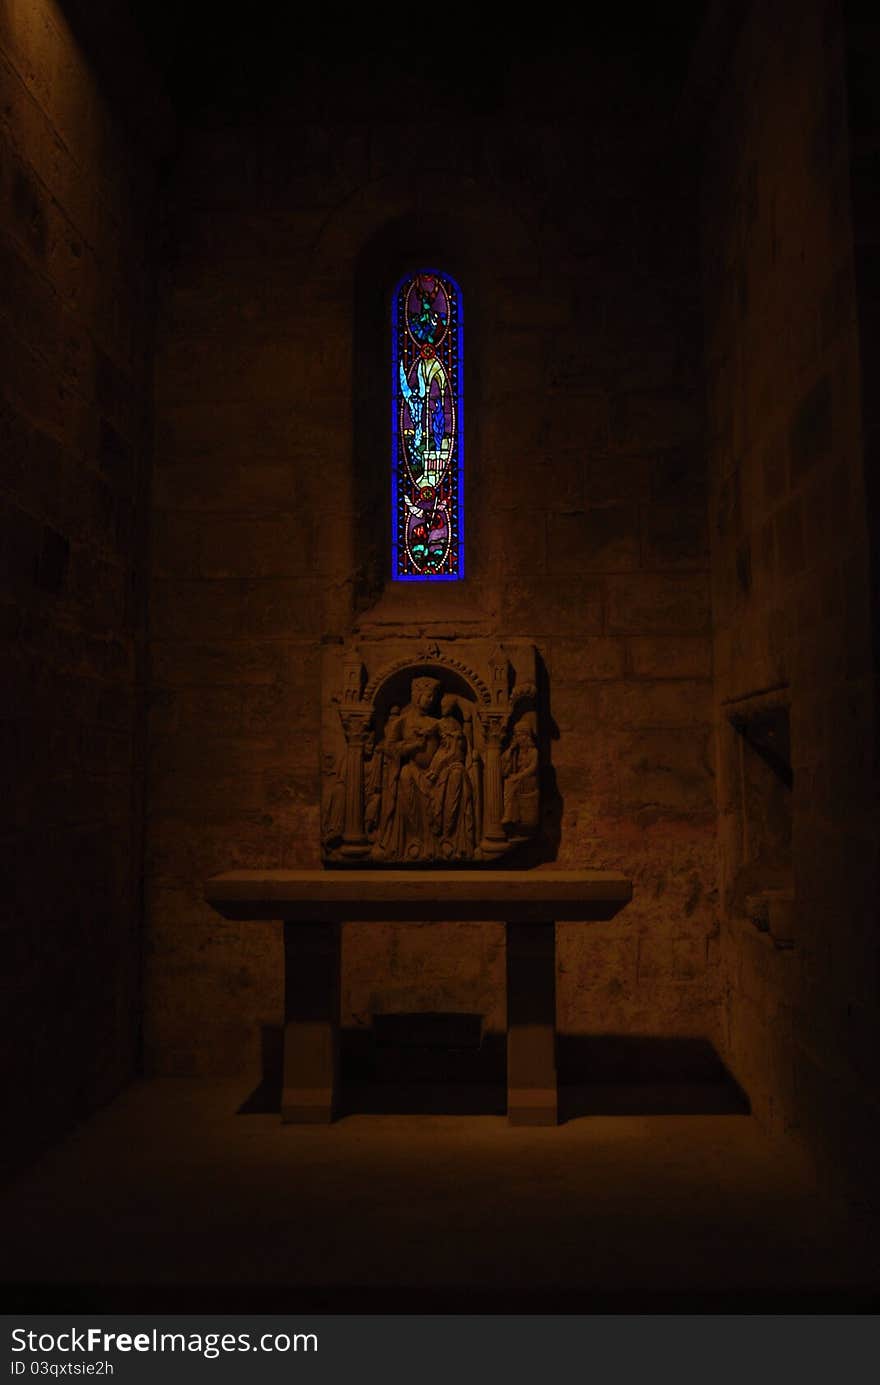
[427, 417]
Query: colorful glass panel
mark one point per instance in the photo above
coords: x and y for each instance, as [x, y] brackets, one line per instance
[426, 429]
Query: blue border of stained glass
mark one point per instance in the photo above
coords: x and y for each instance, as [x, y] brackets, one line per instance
[457, 458]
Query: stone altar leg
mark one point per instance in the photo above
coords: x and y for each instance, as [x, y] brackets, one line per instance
[311, 1021]
[531, 1024]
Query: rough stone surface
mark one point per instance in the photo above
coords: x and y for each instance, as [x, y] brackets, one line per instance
[75, 197]
[789, 533]
[584, 441]
[616, 398]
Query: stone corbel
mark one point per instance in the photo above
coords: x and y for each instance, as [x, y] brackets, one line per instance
[523, 692]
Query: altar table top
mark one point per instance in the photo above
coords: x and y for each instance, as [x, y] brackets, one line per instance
[418, 895]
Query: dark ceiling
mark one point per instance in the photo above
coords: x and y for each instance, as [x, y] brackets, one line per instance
[233, 59]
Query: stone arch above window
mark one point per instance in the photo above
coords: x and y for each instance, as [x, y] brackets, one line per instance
[427, 428]
[461, 246]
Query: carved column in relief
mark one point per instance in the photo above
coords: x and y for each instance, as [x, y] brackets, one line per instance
[355, 724]
[494, 837]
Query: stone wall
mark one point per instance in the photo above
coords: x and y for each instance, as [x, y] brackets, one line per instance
[790, 569]
[74, 193]
[575, 240]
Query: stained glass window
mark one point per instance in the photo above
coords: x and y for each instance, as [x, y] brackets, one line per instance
[426, 429]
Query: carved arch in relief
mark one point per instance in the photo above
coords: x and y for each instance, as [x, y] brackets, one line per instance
[433, 665]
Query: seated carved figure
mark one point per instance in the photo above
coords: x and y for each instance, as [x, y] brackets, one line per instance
[427, 800]
[411, 740]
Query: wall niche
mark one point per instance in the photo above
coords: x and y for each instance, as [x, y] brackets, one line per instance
[759, 875]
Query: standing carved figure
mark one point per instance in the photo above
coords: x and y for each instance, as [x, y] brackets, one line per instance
[373, 772]
[333, 815]
[519, 767]
[452, 794]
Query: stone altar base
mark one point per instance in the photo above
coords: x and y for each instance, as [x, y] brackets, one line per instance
[313, 905]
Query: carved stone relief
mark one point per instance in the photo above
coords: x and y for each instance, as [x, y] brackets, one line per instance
[430, 754]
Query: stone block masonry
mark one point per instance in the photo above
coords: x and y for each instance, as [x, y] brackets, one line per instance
[586, 490]
[788, 487]
[74, 392]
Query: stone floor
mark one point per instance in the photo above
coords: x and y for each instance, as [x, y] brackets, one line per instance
[171, 1200]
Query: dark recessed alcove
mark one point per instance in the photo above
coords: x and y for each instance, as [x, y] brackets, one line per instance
[763, 787]
[671, 331]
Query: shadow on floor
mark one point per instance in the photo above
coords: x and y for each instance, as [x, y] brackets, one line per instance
[443, 1065]
[651, 1075]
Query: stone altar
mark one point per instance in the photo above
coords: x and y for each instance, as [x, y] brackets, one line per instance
[313, 906]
